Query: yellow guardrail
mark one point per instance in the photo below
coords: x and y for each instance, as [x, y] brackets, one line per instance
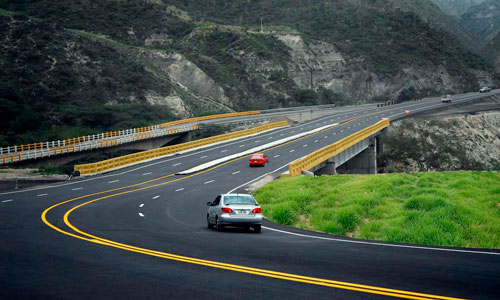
[228, 115]
[323, 154]
[130, 159]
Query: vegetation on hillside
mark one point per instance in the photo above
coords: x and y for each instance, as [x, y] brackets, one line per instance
[459, 209]
[386, 39]
[437, 145]
[54, 82]
[62, 61]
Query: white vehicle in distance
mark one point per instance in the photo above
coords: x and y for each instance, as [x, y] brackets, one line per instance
[239, 210]
[446, 99]
[484, 89]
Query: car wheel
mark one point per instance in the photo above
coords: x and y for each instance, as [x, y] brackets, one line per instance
[257, 228]
[218, 226]
[209, 225]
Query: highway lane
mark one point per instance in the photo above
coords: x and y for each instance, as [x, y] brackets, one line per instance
[41, 261]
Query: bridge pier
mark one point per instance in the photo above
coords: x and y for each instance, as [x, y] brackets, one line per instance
[359, 159]
[363, 163]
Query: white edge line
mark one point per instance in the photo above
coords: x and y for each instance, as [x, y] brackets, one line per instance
[381, 244]
[357, 241]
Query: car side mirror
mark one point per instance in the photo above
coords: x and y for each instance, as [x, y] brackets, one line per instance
[209, 203]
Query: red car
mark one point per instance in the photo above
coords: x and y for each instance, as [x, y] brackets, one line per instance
[258, 159]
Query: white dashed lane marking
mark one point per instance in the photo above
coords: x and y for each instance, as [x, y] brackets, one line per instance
[156, 197]
[114, 181]
[176, 164]
[209, 181]
[292, 150]
[41, 195]
[141, 205]
[140, 214]
[178, 190]
[304, 146]
[242, 146]
[315, 141]
[235, 172]
[76, 189]
[148, 173]
[223, 151]
[9, 200]
[276, 156]
[203, 156]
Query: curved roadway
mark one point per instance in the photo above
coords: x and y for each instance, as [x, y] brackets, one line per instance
[140, 233]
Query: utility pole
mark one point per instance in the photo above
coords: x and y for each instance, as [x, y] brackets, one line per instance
[311, 69]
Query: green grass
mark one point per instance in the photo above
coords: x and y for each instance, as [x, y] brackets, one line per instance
[6, 12]
[459, 209]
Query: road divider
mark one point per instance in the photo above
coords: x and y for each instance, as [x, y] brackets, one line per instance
[323, 154]
[131, 159]
[252, 150]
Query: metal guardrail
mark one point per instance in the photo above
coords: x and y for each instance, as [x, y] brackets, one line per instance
[92, 144]
[127, 160]
[323, 154]
[106, 139]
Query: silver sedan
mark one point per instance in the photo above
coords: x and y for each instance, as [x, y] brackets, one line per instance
[240, 210]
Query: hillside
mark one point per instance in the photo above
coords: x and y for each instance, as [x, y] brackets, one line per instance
[456, 7]
[82, 66]
[428, 11]
[56, 80]
[483, 20]
[443, 143]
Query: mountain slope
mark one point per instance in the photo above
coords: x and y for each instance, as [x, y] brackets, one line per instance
[427, 10]
[52, 78]
[483, 20]
[456, 7]
[197, 57]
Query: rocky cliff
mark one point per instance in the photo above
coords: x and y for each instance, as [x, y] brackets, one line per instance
[444, 143]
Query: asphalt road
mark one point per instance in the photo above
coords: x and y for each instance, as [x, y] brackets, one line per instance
[140, 233]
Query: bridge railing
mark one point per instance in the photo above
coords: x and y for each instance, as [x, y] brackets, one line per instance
[323, 154]
[126, 160]
[93, 144]
[105, 139]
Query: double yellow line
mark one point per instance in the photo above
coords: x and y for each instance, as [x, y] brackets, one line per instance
[214, 264]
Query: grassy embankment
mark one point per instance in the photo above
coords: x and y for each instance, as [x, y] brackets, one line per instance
[450, 209]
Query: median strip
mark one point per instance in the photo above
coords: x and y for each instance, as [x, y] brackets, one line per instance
[252, 150]
[145, 156]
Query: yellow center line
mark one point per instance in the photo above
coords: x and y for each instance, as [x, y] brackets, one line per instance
[237, 268]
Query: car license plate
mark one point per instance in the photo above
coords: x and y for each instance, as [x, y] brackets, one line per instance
[243, 211]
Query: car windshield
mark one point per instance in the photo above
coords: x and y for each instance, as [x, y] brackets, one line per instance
[255, 157]
[239, 199]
